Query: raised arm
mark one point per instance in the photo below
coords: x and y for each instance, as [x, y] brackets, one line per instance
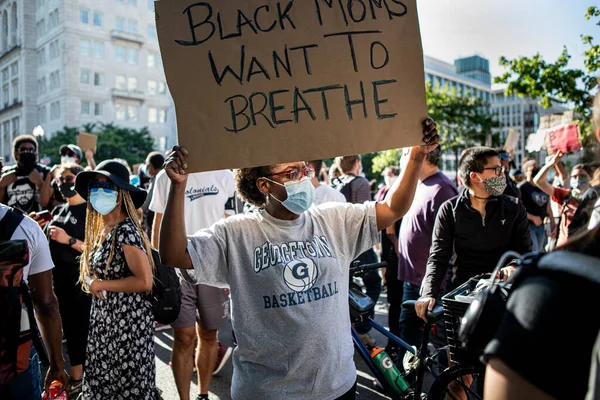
[173, 238]
[541, 179]
[400, 196]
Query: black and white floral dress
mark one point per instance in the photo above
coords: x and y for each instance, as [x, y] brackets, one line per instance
[120, 350]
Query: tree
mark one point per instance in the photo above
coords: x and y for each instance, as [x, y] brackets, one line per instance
[462, 121]
[132, 145]
[551, 81]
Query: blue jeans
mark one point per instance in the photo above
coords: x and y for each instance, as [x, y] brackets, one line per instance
[538, 237]
[411, 326]
[27, 385]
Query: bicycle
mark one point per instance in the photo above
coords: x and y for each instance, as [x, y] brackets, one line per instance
[464, 379]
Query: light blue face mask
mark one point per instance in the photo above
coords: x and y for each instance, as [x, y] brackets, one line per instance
[103, 200]
[300, 195]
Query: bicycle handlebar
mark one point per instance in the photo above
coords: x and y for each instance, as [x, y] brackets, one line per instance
[357, 268]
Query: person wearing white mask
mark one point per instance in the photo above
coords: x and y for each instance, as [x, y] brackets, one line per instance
[287, 266]
[568, 199]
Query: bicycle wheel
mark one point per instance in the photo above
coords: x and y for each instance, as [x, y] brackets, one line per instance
[460, 383]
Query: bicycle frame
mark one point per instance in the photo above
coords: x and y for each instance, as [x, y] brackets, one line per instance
[423, 357]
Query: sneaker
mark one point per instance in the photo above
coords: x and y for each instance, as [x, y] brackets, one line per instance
[75, 389]
[367, 340]
[223, 354]
[202, 397]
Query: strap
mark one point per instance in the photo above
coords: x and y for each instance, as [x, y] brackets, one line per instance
[35, 335]
[9, 223]
[576, 264]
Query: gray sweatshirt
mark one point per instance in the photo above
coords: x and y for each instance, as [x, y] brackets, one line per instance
[289, 293]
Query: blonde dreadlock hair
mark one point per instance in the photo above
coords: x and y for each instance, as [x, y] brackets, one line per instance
[94, 224]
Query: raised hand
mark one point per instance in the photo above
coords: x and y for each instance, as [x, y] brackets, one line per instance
[431, 138]
[176, 166]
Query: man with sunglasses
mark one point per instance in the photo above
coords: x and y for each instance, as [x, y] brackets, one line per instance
[209, 197]
[474, 229]
[21, 183]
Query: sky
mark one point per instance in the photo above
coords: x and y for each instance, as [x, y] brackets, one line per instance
[452, 29]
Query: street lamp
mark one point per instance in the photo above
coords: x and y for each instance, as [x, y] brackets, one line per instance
[38, 131]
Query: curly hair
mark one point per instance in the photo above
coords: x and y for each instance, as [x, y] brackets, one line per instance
[245, 183]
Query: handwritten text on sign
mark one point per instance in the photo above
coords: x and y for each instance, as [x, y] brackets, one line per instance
[345, 75]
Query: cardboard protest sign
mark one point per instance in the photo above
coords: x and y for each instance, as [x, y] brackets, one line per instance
[563, 138]
[259, 82]
[87, 141]
[512, 140]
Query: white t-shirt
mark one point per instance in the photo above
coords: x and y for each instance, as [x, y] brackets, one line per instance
[326, 194]
[39, 252]
[595, 218]
[206, 195]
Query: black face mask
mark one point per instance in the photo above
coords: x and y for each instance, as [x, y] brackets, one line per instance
[66, 189]
[28, 160]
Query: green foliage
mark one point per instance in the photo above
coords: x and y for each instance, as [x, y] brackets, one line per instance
[132, 145]
[537, 78]
[462, 121]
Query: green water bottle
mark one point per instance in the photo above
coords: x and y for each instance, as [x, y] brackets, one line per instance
[389, 371]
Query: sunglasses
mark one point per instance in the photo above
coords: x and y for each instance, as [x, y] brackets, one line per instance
[66, 179]
[498, 170]
[68, 153]
[102, 185]
[296, 173]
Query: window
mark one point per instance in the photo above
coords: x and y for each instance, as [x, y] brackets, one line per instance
[152, 31]
[132, 84]
[41, 27]
[41, 57]
[85, 108]
[85, 77]
[120, 24]
[162, 88]
[132, 113]
[41, 115]
[98, 109]
[5, 75]
[54, 50]
[151, 60]
[132, 26]
[151, 5]
[120, 53]
[14, 69]
[84, 16]
[121, 82]
[162, 116]
[98, 79]
[16, 125]
[132, 2]
[99, 49]
[152, 87]
[15, 90]
[84, 47]
[54, 80]
[132, 56]
[53, 19]
[54, 110]
[120, 112]
[97, 19]
[152, 115]
[5, 94]
[41, 86]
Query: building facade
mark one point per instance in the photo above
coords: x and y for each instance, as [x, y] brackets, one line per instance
[73, 62]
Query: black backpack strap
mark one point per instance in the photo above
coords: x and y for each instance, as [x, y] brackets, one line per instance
[35, 334]
[9, 223]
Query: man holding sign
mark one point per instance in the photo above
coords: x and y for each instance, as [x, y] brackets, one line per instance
[287, 267]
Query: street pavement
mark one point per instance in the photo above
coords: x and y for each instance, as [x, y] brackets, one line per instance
[221, 384]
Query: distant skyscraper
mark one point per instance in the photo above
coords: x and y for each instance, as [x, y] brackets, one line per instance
[69, 62]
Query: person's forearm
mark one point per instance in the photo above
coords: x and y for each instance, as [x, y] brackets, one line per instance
[531, 217]
[46, 191]
[131, 284]
[50, 327]
[156, 229]
[173, 238]
[91, 162]
[400, 196]
[78, 246]
[562, 171]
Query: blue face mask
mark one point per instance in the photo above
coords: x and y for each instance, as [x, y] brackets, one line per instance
[300, 195]
[103, 200]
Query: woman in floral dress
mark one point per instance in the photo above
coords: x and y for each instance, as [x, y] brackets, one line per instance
[117, 269]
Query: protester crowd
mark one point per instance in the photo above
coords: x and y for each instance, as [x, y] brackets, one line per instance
[90, 233]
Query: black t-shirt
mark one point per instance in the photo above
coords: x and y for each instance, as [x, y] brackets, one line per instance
[543, 336]
[534, 199]
[65, 258]
[22, 193]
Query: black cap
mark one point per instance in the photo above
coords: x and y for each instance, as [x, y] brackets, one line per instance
[75, 149]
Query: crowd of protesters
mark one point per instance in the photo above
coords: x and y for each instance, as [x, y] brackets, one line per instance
[91, 232]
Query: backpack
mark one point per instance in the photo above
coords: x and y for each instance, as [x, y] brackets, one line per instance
[166, 292]
[17, 331]
[343, 184]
